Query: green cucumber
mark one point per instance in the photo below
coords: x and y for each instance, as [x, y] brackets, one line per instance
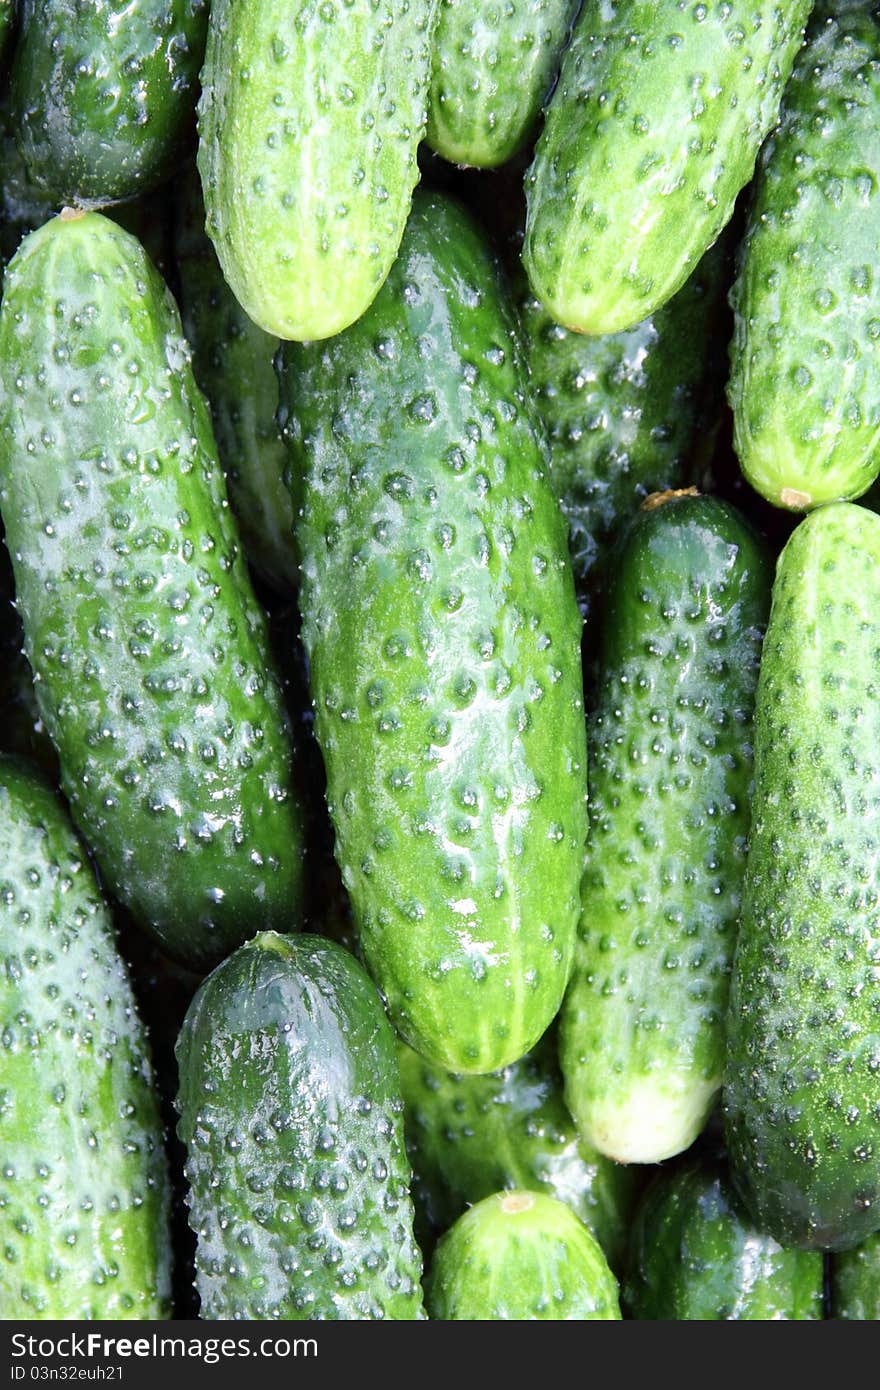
[805, 357]
[291, 1114]
[695, 1257]
[653, 130]
[148, 647]
[105, 93]
[642, 1040]
[84, 1203]
[802, 1095]
[471, 1136]
[516, 1257]
[855, 1282]
[310, 119]
[493, 63]
[233, 362]
[443, 635]
[22, 731]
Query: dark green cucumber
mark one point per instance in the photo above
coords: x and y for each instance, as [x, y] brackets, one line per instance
[83, 1184]
[471, 1136]
[696, 1257]
[653, 130]
[233, 364]
[148, 647]
[642, 1041]
[493, 63]
[443, 634]
[7, 22]
[291, 1113]
[310, 119]
[855, 1282]
[628, 414]
[105, 93]
[516, 1257]
[805, 358]
[802, 1087]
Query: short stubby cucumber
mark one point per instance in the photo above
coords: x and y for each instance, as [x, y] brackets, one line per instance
[291, 1114]
[696, 1257]
[471, 1136]
[651, 133]
[309, 122]
[148, 647]
[493, 64]
[855, 1282]
[517, 1257]
[84, 1199]
[443, 635]
[805, 357]
[802, 1085]
[628, 414]
[233, 362]
[642, 1039]
[105, 93]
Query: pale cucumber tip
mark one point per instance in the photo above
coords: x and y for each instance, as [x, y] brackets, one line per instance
[652, 1120]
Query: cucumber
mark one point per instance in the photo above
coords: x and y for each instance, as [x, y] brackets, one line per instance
[642, 1037]
[516, 1257]
[855, 1282]
[290, 1111]
[628, 414]
[233, 362]
[309, 122]
[493, 63]
[471, 1136]
[105, 93]
[443, 635]
[22, 731]
[653, 130]
[84, 1203]
[802, 1095]
[7, 23]
[149, 650]
[805, 357]
[695, 1257]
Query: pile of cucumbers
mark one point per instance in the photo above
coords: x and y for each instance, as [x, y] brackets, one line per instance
[440, 681]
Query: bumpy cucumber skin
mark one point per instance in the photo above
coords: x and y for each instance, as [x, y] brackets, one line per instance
[309, 122]
[628, 414]
[695, 1257]
[22, 731]
[84, 1201]
[443, 635]
[291, 1113]
[149, 649]
[233, 362]
[516, 1257]
[802, 1095]
[493, 64]
[642, 1038]
[805, 356]
[651, 133]
[855, 1283]
[105, 92]
[471, 1136]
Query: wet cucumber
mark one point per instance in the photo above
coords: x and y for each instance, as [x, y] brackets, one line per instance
[653, 130]
[309, 122]
[642, 1040]
[291, 1113]
[105, 93]
[84, 1204]
[471, 1136]
[233, 364]
[520, 1256]
[802, 1096]
[149, 650]
[493, 63]
[855, 1282]
[443, 635]
[805, 358]
[695, 1256]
